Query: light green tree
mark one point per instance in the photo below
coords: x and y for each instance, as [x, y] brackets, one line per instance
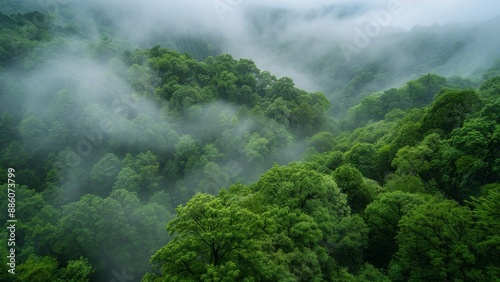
[213, 241]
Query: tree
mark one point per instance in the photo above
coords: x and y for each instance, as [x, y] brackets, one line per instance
[422, 90]
[47, 268]
[322, 142]
[225, 83]
[351, 182]
[184, 98]
[214, 241]
[301, 120]
[486, 212]
[382, 217]
[449, 110]
[58, 135]
[15, 155]
[279, 111]
[490, 87]
[256, 148]
[147, 220]
[32, 130]
[145, 134]
[7, 127]
[39, 270]
[363, 157]
[478, 142]
[435, 243]
[38, 220]
[412, 160]
[104, 49]
[408, 135]
[316, 195]
[334, 160]
[348, 242]
[294, 244]
[62, 107]
[296, 186]
[77, 270]
[104, 173]
[264, 81]
[85, 228]
[284, 88]
[186, 153]
[143, 173]
[405, 183]
[128, 179]
[139, 78]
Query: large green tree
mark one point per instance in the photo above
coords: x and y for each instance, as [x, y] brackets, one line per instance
[213, 241]
[435, 243]
[382, 217]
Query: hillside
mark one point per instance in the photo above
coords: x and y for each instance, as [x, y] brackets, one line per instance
[168, 157]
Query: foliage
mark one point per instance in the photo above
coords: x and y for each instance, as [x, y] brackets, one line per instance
[398, 184]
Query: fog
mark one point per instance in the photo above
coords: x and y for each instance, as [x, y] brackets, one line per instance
[252, 29]
[256, 29]
[287, 38]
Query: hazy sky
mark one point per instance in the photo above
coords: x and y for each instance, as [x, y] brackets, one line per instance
[326, 23]
[414, 12]
[227, 14]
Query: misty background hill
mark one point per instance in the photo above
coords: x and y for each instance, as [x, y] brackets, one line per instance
[314, 45]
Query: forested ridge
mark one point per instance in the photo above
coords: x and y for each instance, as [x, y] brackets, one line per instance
[174, 162]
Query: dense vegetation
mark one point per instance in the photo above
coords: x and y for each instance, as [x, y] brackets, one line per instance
[251, 177]
[348, 72]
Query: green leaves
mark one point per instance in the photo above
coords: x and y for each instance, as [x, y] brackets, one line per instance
[32, 130]
[296, 186]
[351, 182]
[224, 120]
[382, 217]
[47, 268]
[449, 110]
[412, 160]
[435, 242]
[256, 148]
[486, 212]
[293, 224]
[211, 238]
[88, 223]
[128, 179]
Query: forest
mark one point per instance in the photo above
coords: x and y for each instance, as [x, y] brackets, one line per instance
[171, 159]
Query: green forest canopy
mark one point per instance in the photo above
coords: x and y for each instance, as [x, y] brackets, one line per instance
[252, 178]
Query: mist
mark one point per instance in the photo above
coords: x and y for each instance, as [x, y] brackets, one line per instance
[321, 45]
[256, 29]
[309, 30]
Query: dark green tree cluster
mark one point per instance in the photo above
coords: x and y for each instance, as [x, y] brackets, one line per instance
[412, 197]
[294, 224]
[438, 169]
[21, 32]
[414, 94]
[405, 187]
[237, 82]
